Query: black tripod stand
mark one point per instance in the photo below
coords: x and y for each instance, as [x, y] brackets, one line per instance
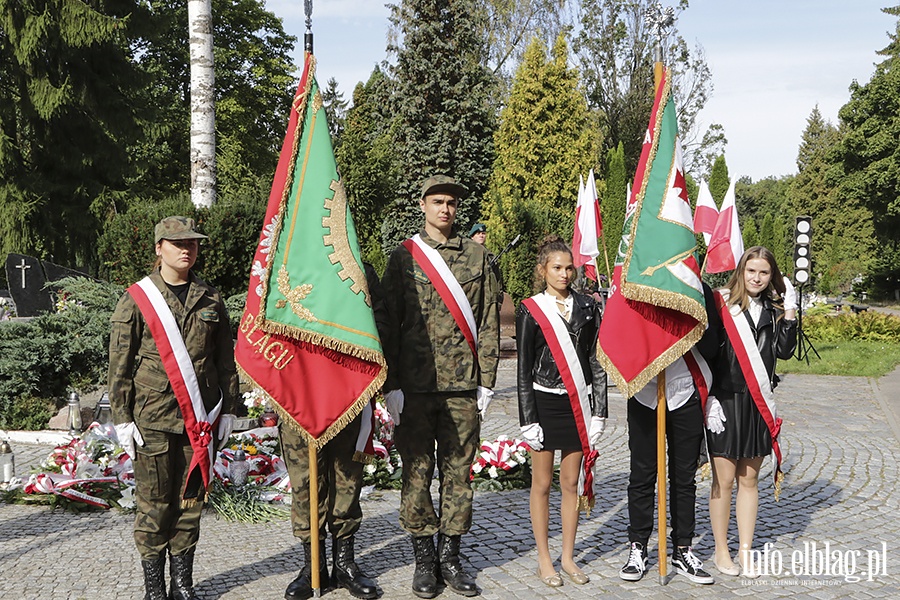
[804, 345]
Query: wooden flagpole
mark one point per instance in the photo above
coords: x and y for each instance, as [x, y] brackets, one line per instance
[661, 404]
[314, 519]
[313, 459]
[609, 273]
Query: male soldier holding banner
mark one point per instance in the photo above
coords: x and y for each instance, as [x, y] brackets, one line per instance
[441, 343]
[340, 476]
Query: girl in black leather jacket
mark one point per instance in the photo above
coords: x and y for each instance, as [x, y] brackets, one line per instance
[756, 316]
[551, 416]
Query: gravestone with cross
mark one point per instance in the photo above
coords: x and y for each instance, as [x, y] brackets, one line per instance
[25, 278]
[56, 272]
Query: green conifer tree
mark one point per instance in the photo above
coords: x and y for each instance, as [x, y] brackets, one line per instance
[816, 191]
[749, 232]
[718, 180]
[547, 138]
[69, 105]
[767, 232]
[612, 205]
[365, 161]
[443, 118]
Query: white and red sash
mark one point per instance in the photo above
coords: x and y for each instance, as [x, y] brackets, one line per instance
[700, 373]
[447, 287]
[180, 369]
[543, 308]
[365, 442]
[755, 374]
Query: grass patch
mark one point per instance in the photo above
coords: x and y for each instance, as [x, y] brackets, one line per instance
[853, 358]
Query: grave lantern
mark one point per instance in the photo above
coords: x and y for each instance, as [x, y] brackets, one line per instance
[102, 412]
[75, 424]
[239, 468]
[7, 462]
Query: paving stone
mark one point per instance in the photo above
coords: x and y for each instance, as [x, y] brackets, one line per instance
[841, 459]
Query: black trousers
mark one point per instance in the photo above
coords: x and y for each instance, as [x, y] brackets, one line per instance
[684, 433]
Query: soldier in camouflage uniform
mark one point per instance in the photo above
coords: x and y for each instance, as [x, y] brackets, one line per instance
[437, 389]
[147, 416]
[340, 477]
[478, 233]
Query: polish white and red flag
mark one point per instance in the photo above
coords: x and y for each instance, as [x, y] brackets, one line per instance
[726, 244]
[587, 227]
[705, 214]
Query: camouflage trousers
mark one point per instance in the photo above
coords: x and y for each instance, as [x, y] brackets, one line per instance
[339, 482]
[160, 470]
[451, 420]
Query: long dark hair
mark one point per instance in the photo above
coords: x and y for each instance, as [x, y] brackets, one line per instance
[738, 291]
[550, 244]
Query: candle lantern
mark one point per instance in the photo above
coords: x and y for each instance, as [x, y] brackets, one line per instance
[75, 424]
[239, 468]
[7, 462]
[269, 418]
[103, 412]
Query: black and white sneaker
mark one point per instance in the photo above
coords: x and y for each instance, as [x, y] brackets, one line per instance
[690, 566]
[636, 566]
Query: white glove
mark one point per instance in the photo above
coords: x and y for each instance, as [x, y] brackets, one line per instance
[598, 426]
[533, 434]
[129, 435]
[483, 397]
[715, 417]
[394, 402]
[790, 295]
[226, 426]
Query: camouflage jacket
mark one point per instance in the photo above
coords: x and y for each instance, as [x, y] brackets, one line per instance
[139, 389]
[424, 347]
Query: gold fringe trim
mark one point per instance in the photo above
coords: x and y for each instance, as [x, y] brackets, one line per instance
[705, 471]
[672, 300]
[585, 504]
[189, 502]
[364, 458]
[319, 339]
[345, 419]
[673, 353]
[779, 478]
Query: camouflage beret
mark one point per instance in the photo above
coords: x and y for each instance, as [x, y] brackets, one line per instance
[177, 228]
[437, 184]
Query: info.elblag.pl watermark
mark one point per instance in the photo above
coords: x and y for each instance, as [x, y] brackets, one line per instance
[824, 561]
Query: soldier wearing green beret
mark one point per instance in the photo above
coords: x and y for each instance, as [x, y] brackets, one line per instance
[478, 233]
[441, 342]
[149, 419]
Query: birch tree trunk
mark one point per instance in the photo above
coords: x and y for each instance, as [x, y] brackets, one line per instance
[203, 114]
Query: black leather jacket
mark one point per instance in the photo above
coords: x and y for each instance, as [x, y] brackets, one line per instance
[536, 364]
[775, 336]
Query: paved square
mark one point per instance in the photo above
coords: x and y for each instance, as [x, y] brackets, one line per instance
[841, 465]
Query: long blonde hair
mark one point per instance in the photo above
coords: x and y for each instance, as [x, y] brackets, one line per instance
[738, 291]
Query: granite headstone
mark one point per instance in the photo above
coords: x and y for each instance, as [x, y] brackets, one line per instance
[25, 278]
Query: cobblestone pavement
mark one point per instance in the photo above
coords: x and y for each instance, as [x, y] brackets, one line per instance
[841, 461]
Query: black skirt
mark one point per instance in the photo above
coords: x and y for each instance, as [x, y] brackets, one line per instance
[557, 421]
[746, 434]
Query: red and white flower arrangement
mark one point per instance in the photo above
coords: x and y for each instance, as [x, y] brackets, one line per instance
[503, 461]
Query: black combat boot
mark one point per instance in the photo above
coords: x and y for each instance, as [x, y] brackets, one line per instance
[451, 569]
[181, 571]
[154, 578]
[301, 587]
[346, 573]
[425, 576]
